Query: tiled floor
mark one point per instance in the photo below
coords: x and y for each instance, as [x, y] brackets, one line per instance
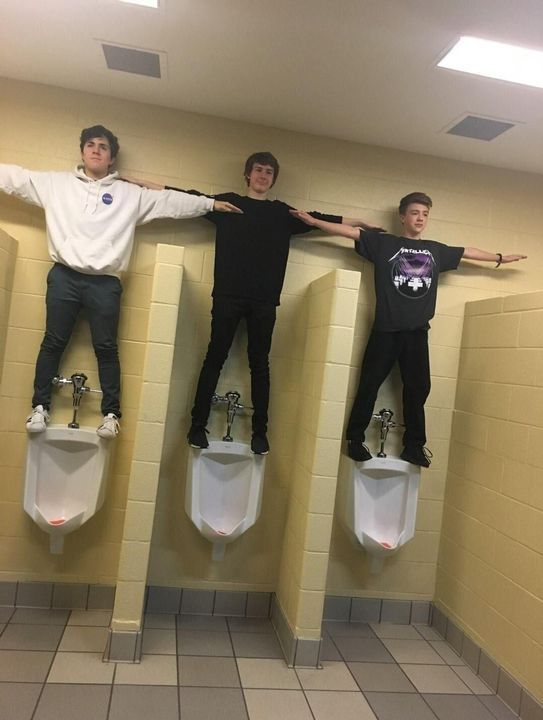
[216, 668]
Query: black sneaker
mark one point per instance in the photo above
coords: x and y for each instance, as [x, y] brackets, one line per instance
[260, 444]
[357, 451]
[416, 455]
[197, 436]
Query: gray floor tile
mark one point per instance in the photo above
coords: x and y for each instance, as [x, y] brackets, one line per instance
[475, 684]
[399, 706]
[230, 603]
[83, 639]
[6, 613]
[277, 705]
[159, 621]
[360, 649]
[256, 645]
[81, 668]
[380, 677]
[393, 630]
[347, 629]
[38, 616]
[152, 670]
[258, 625]
[328, 650]
[344, 705]
[435, 679]
[216, 623]
[207, 703]
[31, 637]
[73, 702]
[208, 672]
[269, 673]
[446, 652]
[412, 651]
[145, 702]
[197, 602]
[159, 642]
[24, 665]
[427, 632]
[18, 702]
[332, 676]
[497, 707]
[452, 707]
[204, 642]
[91, 618]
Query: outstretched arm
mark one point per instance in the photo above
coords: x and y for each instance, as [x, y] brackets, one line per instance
[218, 205]
[476, 254]
[357, 222]
[345, 230]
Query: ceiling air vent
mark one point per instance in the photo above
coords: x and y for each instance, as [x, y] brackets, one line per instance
[479, 128]
[140, 62]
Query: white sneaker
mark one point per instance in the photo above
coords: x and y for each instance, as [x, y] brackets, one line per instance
[37, 420]
[109, 428]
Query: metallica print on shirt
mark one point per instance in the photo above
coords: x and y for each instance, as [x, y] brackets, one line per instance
[412, 271]
[406, 276]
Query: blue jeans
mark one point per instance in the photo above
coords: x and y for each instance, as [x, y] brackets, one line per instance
[99, 296]
[227, 313]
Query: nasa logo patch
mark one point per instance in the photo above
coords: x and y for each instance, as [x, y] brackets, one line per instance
[107, 199]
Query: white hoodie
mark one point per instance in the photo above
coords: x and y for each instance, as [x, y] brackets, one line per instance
[90, 223]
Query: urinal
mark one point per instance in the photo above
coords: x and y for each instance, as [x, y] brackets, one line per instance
[65, 479]
[223, 493]
[378, 505]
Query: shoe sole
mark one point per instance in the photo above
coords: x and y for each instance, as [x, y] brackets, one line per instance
[198, 447]
[262, 453]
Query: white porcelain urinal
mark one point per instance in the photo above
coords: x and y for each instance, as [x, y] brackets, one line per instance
[223, 493]
[65, 479]
[379, 505]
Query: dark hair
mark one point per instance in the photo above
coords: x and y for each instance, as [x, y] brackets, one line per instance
[414, 197]
[262, 158]
[99, 131]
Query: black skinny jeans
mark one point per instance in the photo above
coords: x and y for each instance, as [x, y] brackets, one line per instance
[410, 349]
[226, 315]
[69, 292]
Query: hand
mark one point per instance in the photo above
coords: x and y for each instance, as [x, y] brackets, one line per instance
[305, 217]
[512, 258]
[222, 206]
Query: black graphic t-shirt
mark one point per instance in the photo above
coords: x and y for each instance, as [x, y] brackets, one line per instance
[406, 277]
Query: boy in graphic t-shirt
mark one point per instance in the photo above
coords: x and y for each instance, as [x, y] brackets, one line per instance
[406, 271]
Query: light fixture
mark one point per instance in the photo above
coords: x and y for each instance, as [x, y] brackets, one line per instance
[145, 3]
[496, 60]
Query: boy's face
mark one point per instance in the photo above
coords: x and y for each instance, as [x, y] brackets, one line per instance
[96, 156]
[260, 178]
[414, 220]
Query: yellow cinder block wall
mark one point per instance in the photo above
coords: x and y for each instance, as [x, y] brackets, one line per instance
[8, 254]
[490, 567]
[473, 205]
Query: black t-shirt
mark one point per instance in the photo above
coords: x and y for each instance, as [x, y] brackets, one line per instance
[251, 250]
[406, 277]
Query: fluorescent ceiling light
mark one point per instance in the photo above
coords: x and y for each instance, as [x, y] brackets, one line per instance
[147, 3]
[496, 60]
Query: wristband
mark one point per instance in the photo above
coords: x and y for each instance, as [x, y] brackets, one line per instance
[500, 257]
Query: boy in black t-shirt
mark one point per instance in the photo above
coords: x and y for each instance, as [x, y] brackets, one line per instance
[406, 271]
[251, 255]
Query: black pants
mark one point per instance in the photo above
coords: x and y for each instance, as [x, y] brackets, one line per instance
[410, 349]
[69, 292]
[226, 314]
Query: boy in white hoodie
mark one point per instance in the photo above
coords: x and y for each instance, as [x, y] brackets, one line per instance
[90, 218]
